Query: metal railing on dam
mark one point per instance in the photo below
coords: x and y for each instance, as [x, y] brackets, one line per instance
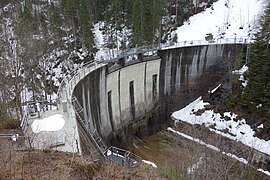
[236, 40]
[70, 79]
[118, 54]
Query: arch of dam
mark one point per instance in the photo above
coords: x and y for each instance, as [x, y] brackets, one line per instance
[113, 101]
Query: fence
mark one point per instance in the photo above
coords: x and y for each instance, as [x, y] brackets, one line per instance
[241, 40]
[122, 157]
[70, 79]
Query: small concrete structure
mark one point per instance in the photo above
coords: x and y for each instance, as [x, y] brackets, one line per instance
[66, 139]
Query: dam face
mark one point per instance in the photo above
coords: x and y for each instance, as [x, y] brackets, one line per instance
[137, 97]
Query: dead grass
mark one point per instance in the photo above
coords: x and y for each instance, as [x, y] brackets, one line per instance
[25, 164]
[111, 171]
[44, 165]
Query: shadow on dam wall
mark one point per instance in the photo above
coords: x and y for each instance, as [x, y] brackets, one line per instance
[137, 98]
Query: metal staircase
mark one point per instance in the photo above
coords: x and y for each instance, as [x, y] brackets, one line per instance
[119, 156]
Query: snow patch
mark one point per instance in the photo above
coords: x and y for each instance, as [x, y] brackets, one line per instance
[242, 77]
[263, 171]
[150, 163]
[51, 123]
[242, 160]
[260, 126]
[109, 153]
[195, 166]
[241, 71]
[214, 90]
[238, 19]
[228, 127]
[15, 137]
[259, 106]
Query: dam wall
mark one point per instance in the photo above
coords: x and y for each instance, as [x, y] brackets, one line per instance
[189, 72]
[127, 98]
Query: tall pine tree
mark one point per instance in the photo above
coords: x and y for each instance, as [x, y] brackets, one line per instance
[258, 90]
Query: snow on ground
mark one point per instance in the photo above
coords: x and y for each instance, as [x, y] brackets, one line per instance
[99, 37]
[195, 166]
[234, 19]
[105, 53]
[149, 163]
[51, 123]
[191, 169]
[99, 41]
[232, 128]
[207, 145]
[260, 126]
[225, 19]
[263, 171]
[241, 73]
[243, 80]
[214, 90]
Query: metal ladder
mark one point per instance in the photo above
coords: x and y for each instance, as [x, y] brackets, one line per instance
[95, 137]
[78, 109]
[99, 141]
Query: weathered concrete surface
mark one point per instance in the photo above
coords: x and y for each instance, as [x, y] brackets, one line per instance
[91, 95]
[122, 100]
[187, 73]
[66, 139]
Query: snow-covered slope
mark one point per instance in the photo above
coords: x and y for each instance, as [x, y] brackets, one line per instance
[229, 127]
[225, 19]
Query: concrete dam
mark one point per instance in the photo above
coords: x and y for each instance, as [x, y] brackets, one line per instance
[125, 98]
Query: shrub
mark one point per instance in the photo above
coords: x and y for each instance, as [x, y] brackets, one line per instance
[9, 123]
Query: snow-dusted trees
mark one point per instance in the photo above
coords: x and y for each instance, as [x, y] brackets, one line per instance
[133, 21]
[78, 17]
[44, 38]
[5, 72]
[12, 80]
[113, 23]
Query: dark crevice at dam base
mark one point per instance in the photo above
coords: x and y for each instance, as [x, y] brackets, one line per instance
[136, 98]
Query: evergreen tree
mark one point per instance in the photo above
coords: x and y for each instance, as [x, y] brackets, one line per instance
[85, 21]
[258, 89]
[145, 20]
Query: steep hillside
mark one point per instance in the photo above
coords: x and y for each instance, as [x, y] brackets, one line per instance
[43, 41]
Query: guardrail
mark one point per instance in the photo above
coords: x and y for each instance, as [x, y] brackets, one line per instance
[144, 49]
[122, 157]
[133, 51]
[236, 40]
[71, 76]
